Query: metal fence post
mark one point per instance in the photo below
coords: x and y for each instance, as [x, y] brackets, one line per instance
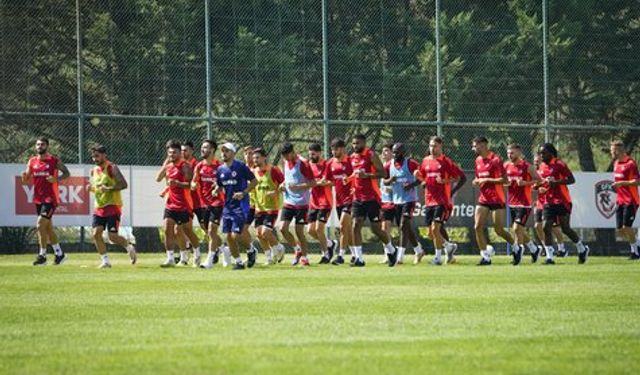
[207, 48]
[545, 68]
[81, 114]
[438, 71]
[325, 78]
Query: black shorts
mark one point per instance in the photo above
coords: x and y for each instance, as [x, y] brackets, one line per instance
[625, 215]
[520, 215]
[439, 214]
[299, 214]
[265, 219]
[251, 216]
[367, 209]
[202, 215]
[213, 215]
[321, 215]
[388, 213]
[553, 212]
[404, 209]
[180, 217]
[537, 215]
[110, 223]
[492, 206]
[45, 210]
[344, 209]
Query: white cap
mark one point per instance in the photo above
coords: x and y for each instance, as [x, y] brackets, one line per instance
[229, 146]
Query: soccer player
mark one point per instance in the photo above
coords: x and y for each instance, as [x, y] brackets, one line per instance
[248, 160]
[267, 204]
[367, 168]
[557, 201]
[522, 176]
[400, 176]
[626, 181]
[298, 179]
[106, 183]
[204, 178]
[42, 171]
[438, 172]
[490, 178]
[386, 198]
[320, 204]
[178, 206]
[198, 208]
[237, 181]
[338, 172]
[541, 188]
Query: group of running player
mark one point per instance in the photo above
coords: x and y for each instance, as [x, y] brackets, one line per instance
[359, 185]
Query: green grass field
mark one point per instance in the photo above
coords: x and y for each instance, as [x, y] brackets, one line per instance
[76, 319]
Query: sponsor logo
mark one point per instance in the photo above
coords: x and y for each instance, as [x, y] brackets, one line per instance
[74, 197]
[605, 198]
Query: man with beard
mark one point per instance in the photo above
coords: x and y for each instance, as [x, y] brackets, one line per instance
[438, 172]
[490, 179]
[400, 177]
[337, 173]
[178, 205]
[557, 201]
[367, 168]
[204, 177]
[106, 184]
[320, 204]
[267, 204]
[298, 179]
[522, 176]
[42, 172]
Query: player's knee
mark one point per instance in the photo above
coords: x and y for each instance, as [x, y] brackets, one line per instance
[113, 237]
[97, 234]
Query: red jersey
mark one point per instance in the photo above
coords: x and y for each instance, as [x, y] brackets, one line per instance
[321, 198]
[558, 194]
[364, 189]
[43, 190]
[436, 194]
[206, 182]
[195, 194]
[490, 167]
[519, 196]
[626, 170]
[338, 172]
[178, 199]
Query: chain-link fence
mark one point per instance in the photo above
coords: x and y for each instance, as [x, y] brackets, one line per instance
[261, 72]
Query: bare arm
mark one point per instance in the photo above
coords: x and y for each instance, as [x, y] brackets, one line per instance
[162, 173]
[63, 169]
[121, 183]
[377, 164]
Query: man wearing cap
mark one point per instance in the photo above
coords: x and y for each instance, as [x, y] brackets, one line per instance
[237, 181]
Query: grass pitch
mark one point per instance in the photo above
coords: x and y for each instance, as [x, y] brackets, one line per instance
[76, 319]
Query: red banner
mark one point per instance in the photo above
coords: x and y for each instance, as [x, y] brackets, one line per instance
[74, 197]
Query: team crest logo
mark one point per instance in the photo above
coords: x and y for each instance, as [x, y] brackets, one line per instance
[605, 198]
[233, 174]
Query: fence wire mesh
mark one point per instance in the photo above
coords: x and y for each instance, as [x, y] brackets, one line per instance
[145, 66]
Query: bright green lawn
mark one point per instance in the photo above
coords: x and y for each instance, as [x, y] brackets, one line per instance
[76, 319]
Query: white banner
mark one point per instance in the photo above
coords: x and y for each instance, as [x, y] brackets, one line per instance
[592, 195]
